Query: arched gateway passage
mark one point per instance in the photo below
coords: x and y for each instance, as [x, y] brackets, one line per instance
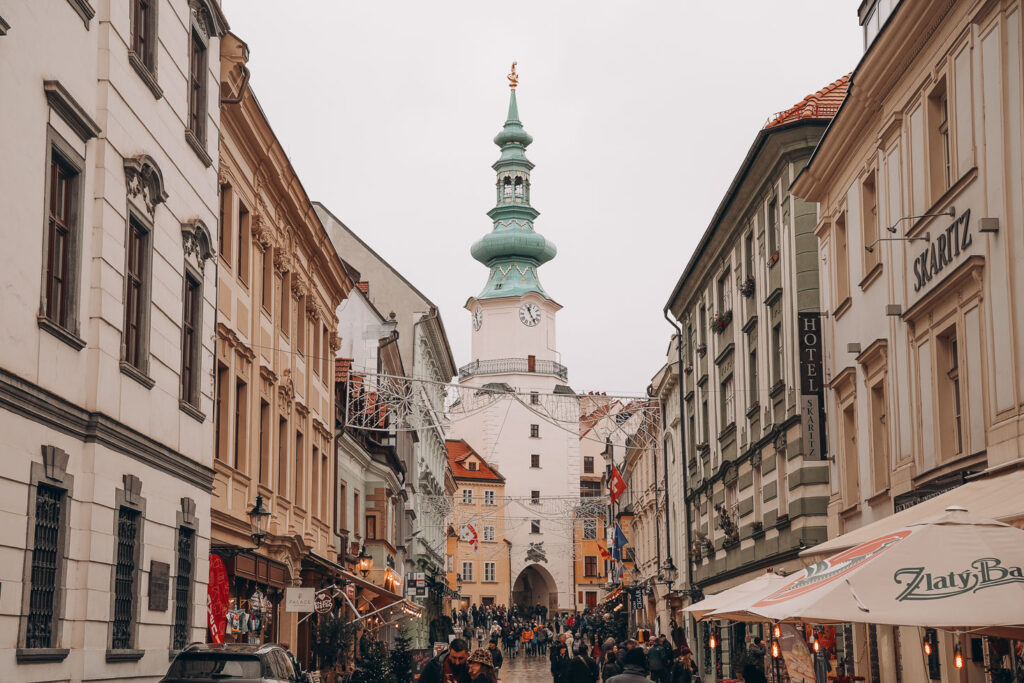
[535, 586]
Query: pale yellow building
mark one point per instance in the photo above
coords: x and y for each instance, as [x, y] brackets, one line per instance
[919, 184]
[278, 287]
[480, 508]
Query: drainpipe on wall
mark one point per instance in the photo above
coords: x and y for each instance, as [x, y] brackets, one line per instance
[682, 454]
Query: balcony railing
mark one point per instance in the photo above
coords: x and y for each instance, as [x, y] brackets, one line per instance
[508, 366]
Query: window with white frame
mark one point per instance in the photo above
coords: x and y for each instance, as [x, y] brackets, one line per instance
[490, 571]
[467, 496]
[488, 497]
[467, 571]
[728, 401]
[489, 534]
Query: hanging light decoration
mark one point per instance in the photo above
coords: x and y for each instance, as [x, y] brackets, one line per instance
[817, 645]
[958, 656]
[712, 641]
[927, 645]
[777, 631]
[776, 650]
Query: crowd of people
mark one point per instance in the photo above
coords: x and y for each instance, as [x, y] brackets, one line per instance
[576, 647]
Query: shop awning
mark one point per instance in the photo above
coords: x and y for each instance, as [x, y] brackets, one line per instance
[611, 596]
[371, 591]
[997, 497]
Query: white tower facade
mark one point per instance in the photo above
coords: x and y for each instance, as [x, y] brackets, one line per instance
[515, 353]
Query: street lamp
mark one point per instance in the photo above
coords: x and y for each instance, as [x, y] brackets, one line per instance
[258, 516]
[364, 562]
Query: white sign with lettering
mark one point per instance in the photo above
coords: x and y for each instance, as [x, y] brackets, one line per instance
[299, 599]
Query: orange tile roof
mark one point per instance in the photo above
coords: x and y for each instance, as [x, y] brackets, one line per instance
[458, 451]
[820, 105]
[341, 369]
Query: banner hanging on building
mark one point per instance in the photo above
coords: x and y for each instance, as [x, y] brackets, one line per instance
[812, 387]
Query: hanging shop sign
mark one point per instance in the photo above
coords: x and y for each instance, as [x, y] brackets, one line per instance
[299, 599]
[637, 598]
[812, 406]
[217, 598]
[350, 591]
[323, 602]
[942, 250]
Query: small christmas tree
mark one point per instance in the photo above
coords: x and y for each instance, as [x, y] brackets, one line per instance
[375, 666]
[401, 659]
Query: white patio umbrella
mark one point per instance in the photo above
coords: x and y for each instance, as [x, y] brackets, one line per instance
[737, 595]
[950, 571]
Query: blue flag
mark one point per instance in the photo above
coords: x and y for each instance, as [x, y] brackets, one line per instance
[620, 538]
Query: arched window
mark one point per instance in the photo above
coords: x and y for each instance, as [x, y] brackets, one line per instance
[508, 188]
[519, 187]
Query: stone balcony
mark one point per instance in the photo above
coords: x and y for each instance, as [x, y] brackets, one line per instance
[513, 366]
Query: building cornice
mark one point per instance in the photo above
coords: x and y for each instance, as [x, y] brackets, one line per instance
[31, 401]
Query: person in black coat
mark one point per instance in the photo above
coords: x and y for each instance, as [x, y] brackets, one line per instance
[683, 669]
[449, 666]
[560, 663]
[611, 665]
[583, 669]
[496, 655]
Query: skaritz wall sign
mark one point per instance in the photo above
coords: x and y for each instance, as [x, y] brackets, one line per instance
[943, 250]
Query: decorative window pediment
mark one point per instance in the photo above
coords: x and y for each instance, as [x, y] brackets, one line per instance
[145, 181]
[208, 17]
[197, 243]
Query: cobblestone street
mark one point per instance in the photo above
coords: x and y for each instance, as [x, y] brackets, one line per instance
[525, 669]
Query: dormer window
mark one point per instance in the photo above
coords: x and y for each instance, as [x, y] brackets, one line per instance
[519, 188]
[508, 188]
[471, 466]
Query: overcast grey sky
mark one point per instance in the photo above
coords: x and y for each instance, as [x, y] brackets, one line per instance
[640, 111]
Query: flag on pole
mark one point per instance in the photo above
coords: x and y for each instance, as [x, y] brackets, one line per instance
[605, 555]
[469, 535]
[616, 484]
[620, 538]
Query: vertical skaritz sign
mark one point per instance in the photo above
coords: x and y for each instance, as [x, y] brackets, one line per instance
[812, 391]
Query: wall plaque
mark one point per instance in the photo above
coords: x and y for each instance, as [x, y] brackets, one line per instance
[159, 585]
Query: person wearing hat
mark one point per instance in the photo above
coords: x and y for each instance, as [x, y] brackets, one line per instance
[683, 668]
[496, 657]
[481, 667]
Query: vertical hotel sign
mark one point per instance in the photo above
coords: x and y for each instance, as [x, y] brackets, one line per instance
[812, 390]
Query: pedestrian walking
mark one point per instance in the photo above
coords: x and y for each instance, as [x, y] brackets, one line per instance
[684, 670]
[560, 664]
[481, 668]
[583, 669]
[610, 667]
[450, 666]
[496, 657]
[634, 669]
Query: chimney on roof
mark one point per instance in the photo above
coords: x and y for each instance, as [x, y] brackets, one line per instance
[364, 287]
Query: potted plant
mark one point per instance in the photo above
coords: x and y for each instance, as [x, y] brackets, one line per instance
[747, 287]
[719, 321]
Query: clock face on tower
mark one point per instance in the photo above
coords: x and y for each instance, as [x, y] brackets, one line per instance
[478, 318]
[529, 314]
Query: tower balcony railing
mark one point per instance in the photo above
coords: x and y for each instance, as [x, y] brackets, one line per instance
[506, 366]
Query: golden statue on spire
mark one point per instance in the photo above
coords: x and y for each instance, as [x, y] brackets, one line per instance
[513, 77]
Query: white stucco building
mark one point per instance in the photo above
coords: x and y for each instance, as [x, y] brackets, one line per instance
[108, 182]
